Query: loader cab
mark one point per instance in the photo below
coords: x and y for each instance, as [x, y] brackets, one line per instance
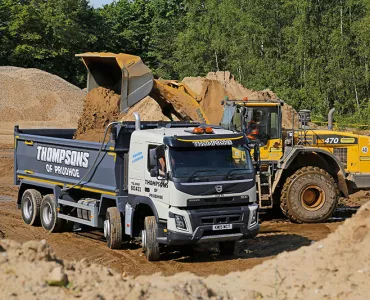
[260, 121]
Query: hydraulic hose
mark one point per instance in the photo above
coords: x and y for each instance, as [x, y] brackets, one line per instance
[95, 161]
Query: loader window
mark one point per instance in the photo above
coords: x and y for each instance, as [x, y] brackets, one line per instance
[262, 123]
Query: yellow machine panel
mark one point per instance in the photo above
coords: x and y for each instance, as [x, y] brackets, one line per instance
[303, 170]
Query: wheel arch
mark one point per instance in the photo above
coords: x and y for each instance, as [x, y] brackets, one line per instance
[143, 207]
[43, 188]
[313, 157]
[106, 202]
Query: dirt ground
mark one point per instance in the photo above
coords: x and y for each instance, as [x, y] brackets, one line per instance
[276, 237]
[336, 267]
[90, 245]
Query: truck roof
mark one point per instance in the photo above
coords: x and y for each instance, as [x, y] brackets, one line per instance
[157, 135]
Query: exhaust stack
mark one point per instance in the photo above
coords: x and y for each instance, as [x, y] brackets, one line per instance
[330, 119]
[137, 121]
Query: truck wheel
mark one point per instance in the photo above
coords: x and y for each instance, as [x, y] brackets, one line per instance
[227, 247]
[113, 228]
[48, 214]
[149, 239]
[30, 205]
[309, 196]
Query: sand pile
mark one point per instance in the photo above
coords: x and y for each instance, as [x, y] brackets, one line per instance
[101, 106]
[216, 85]
[337, 267]
[35, 95]
[31, 270]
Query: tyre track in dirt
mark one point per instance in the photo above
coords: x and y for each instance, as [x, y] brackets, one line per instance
[90, 246]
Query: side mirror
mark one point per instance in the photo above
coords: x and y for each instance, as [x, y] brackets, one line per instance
[154, 172]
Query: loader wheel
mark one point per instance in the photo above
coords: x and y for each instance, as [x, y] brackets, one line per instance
[30, 206]
[48, 214]
[309, 196]
[113, 228]
[149, 239]
[227, 248]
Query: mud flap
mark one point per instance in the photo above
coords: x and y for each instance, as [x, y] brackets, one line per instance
[128, 219]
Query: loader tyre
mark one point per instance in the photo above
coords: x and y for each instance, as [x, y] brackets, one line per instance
[113, 228]
[227, 248]
[30, 206]
[149, 239]
[48, 214]
[309, 196]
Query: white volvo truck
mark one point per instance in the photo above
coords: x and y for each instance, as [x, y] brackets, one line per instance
[163, 183]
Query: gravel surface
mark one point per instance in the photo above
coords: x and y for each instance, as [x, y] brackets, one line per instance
[35, 95]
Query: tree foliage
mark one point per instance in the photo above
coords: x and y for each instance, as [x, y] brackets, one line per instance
[313, 53]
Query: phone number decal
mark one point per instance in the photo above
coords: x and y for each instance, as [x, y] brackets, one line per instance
[213, 143]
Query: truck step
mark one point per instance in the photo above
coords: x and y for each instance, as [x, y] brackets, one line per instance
[265, 173]
[266, 203]
[87, 212]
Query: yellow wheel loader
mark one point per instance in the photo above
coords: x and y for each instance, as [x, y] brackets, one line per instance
[129, 77]
[302, 170]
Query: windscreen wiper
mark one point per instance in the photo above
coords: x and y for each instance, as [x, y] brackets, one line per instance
[196, 172]
[228, 175]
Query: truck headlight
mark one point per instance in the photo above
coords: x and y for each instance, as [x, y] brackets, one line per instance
[180, 222]
[254, 217]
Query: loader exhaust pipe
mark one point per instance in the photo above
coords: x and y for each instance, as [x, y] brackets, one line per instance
[330, 119]
[137, 121]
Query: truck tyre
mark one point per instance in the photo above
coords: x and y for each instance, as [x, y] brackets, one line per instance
[30, 206]
[309, 196]
[113, 228]
[227, 247]
[149, 239]
[48, 214]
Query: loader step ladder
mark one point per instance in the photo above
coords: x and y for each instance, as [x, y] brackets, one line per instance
[264, 188]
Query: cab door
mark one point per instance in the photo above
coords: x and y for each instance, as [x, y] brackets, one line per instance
[156, 188]
[136, 169]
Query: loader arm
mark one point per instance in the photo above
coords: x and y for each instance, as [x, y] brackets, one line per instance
[178, 99]
[129, 77]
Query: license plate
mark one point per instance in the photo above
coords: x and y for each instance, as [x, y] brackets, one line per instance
[222, 226]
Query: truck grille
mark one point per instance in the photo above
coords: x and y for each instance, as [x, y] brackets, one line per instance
[211, 201]
[210, 220]
[341, 154]
[221, 232]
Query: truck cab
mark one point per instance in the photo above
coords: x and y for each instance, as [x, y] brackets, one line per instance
[201, 186]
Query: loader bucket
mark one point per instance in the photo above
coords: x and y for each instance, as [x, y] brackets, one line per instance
[126, 74]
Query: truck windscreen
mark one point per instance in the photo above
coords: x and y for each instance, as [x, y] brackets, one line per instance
[201, 164]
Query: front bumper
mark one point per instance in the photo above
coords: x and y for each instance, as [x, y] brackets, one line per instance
[202, 221]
